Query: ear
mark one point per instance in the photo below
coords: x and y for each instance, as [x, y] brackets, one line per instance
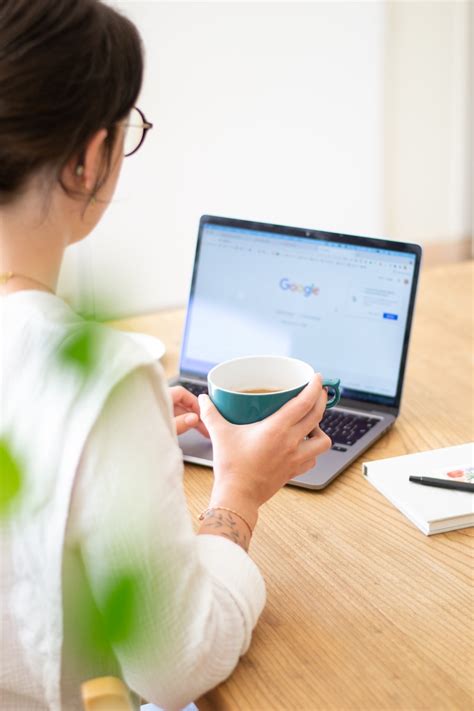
[92, 159]
[83, 173]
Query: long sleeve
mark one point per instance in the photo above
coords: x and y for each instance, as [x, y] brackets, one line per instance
[200, 596]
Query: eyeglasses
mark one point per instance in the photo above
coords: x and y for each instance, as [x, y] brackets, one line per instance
[136, 127]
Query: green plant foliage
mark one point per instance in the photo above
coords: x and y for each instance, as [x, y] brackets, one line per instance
[79, 349]
[121, 609]
[96, 623]
[11, 479]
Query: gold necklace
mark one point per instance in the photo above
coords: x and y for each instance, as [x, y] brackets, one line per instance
[6, 276]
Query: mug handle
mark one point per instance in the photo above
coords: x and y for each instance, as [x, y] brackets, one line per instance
[334, 385]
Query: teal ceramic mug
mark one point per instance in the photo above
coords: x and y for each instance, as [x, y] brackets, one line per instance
[249, 389]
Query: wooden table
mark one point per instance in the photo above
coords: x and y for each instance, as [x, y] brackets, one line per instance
[364, 611]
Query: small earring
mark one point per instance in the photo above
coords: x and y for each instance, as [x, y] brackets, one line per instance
[92, 200]
[79, 170]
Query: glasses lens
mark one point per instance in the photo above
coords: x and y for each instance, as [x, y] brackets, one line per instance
[133, 132]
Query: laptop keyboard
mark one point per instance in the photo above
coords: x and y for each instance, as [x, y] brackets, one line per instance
[344, 428]
[195, 388]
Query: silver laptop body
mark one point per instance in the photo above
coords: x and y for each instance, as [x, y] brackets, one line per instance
[342, 303]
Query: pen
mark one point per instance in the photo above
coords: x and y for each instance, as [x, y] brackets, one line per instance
[442, 483]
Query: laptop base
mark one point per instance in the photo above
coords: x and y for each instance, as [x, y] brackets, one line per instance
[198, 450]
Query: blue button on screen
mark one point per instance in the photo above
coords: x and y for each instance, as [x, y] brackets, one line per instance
[392, 317]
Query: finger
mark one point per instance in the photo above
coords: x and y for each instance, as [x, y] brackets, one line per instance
[314, 417]
[201, 427]
[184, 398]
[307, 465]
[210, 415]
[299, 406]
[186, 422]
[315, 445]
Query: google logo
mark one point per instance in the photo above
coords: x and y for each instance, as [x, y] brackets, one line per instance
[308, 290]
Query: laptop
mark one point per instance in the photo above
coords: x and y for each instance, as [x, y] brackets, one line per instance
[342, 303]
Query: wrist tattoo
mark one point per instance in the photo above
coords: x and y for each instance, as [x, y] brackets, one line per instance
[228, 525]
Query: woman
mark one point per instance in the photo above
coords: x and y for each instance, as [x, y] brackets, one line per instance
[97, 518]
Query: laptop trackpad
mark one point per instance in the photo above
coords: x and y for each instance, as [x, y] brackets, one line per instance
[196, 446]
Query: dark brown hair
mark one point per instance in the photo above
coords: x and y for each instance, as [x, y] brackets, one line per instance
[67, 69]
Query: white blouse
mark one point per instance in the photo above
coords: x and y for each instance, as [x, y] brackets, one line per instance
[102, 497]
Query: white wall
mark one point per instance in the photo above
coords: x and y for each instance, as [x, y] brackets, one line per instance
[268, 111]
[428, 91]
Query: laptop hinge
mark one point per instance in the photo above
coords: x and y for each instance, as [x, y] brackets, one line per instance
[368, 406]
[192, 377]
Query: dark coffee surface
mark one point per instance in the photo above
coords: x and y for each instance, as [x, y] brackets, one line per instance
[259, 391]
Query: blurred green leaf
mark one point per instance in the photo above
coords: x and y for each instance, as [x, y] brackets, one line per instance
[93, 626]
[120, 612]
[80, 348]
[11, 479]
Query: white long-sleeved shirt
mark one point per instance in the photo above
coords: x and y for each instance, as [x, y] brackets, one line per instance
[120, 511]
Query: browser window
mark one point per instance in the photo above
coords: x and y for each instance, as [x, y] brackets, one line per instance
[341, 307]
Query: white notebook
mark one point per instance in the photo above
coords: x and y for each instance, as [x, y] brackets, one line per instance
[432, 509]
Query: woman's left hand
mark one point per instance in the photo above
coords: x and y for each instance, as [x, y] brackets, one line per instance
[186, 411]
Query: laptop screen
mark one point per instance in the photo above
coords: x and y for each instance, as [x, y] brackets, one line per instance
[340, 303]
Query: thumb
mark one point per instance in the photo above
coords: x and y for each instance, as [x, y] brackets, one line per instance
[210, 415]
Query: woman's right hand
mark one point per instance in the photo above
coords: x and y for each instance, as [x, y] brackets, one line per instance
[252, 462]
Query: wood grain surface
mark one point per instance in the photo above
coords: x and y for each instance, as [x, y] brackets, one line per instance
[364, 611]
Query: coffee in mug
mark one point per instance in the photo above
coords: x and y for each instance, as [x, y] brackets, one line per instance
[258, 391]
